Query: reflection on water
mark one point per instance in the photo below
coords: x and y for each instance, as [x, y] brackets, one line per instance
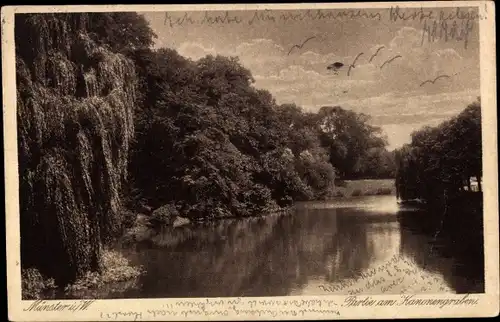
[320, 243]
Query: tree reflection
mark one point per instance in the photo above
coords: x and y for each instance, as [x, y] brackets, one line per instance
[280, 255]
[269, 256]
[460, 260]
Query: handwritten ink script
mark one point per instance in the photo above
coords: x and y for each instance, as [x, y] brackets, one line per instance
[247, 307]
[252, 307]
[438, 24]
[398, 275]
[262, 16]
[269, 308]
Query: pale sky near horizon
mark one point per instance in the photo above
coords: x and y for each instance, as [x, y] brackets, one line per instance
[391, 95]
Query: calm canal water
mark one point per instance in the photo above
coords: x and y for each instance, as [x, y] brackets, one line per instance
[319, 245]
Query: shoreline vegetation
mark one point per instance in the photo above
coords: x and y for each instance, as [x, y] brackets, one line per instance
[116, 138]
[145, 227]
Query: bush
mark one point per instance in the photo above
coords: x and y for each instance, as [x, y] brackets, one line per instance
[128, 219]
[165, 215]
[116, 268]
[33, 284]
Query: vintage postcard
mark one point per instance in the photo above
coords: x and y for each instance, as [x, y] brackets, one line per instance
[251, 162]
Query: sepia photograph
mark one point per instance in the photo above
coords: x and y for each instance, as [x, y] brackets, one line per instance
[250, 153]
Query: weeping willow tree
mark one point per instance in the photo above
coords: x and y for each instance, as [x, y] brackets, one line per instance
[75, 100]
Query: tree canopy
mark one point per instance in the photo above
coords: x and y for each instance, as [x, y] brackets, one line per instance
[107, 122]
[219, 147]
[443, 158]
[357, 149]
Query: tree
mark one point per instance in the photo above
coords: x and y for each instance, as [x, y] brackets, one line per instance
[443, 158]
[220, 147]
[348, 136]
[124, 32]
[75, 101]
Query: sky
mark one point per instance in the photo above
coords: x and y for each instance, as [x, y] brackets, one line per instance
[390, 93]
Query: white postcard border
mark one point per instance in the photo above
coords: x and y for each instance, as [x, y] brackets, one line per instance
[487, 303]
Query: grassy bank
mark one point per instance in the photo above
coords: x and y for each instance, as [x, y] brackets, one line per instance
[368, 187]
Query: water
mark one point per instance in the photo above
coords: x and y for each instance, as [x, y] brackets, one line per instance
[320, 243]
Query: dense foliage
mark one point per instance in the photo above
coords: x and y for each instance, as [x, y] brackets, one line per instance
[357, 149]
[217, 146]
[75, 99]
[442, 159]
[105, 122]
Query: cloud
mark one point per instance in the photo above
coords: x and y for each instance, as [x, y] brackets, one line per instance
[260, 47]
[297, 73]
[392, 95]
[407, 38]
[308, 88]
[400, 116]
[261, 56]
[420, 63]
[195, 50]
[392, 108]
[312, 57]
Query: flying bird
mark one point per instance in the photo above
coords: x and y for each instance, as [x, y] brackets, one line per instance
[376, 53]
[335, 67]
[390, 60]
[352, 65]
[434, 80]
[301, 45]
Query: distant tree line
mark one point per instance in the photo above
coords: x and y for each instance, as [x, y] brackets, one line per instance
[105, 122]
[218, 146]
[442, 160]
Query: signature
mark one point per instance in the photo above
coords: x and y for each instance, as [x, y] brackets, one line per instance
[447, 31]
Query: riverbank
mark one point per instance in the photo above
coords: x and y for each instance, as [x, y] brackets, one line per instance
[159, 228]
[149, 226]
[239, 257]
[367, 187]
[116, 269]
[143, 226]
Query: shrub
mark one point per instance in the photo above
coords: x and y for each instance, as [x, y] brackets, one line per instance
[116, 268]
[33, 284]
[128, 218]
[165, 215]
